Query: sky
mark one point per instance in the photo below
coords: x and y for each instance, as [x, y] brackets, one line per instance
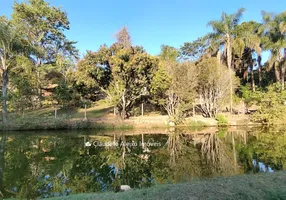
[151, 23]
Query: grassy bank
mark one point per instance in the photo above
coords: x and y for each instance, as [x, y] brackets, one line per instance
[62, 123]
[100, 116]
[258, 186]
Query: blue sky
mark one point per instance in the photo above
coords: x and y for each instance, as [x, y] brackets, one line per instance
[151, 23]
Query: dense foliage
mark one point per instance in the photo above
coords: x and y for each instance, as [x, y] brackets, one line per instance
[41, 68]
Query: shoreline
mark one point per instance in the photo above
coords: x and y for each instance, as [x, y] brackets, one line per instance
[135, 123]
[105, 126]
[110, 122]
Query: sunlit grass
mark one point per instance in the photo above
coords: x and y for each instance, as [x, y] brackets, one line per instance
[258, 186]
[96, 110]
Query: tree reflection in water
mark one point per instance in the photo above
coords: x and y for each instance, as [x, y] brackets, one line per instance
[175, 143]
[57, 165]
[2, 164]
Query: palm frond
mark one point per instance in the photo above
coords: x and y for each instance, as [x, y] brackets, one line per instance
[282, 27]
[237, 16]
[238, 46]
[266, 16]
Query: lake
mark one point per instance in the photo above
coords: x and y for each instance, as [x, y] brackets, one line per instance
[58, 163]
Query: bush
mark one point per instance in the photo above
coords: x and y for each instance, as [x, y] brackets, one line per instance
[272, 106]
[136, 111]
[248, 95]
[221, 119]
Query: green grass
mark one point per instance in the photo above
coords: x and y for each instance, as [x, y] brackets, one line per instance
[97, 110]
[60, 123]
[43, 119]
[100, 109]
[259, 186]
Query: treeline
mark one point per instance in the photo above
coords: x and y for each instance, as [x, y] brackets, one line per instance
[216, 72]
[34, 53]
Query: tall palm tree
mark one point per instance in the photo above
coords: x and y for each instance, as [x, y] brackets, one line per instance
[223, 34]
[275, 41]
[246, 43]
[282, 28]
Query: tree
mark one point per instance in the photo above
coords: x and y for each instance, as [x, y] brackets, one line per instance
[123, 38]
[274, 30]
[200, 48]
[11, 44]
[223, 34]
[247, 42]
[272, 105]
[169, 53]
[173, 87]
[23, 82]
[173, 84]
[43, 26]
[132, 70]
[115, 92]
[93, 72]
[213, 84]
[63, 94]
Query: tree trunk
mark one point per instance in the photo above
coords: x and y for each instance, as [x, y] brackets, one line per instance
[39, 90]
[2, 150]
[123, 112]
[259, 71]
[194, 110]
[277, 73]
[283, 69]
[283, 76]
[218, 56]
[234, 153]
[252, 78]
[123, 144]
[229, 68]
[4, 94]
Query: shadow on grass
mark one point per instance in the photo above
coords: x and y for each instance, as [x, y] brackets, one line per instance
[100, 112]
[91, 113]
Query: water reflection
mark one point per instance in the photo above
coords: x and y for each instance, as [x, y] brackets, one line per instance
[58, 164]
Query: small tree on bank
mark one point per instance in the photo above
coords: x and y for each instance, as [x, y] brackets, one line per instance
[132, 71]
[173, 87]
[213, 86]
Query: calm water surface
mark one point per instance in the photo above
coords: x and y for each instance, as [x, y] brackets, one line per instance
[60, 163]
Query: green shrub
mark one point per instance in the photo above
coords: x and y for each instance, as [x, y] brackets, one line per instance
[221, 120]
[136, 111]
[272, 106]
[249, 97]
